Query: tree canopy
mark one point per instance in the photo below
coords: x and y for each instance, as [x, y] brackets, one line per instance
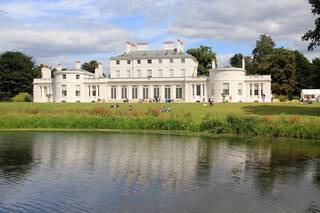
[17, 72]
[281, 65]
[314, 35]
[89, 66]
[316, 72]
[305, 75]
[204, 56]
[236, 60]
[264, 47]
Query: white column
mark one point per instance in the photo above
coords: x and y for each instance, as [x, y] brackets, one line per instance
[119, 92]
[173, 88]
[161, 92]
[259, 91]
[129, 91]
[151, 92]
[205, 92]
[140, 92]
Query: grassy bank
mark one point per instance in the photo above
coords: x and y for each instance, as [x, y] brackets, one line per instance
[274, 120]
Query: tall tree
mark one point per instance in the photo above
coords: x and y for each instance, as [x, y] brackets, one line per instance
[264, 47]
[305, 75]
[316, 73]
[16, 74]
[236, 60]
[314, 35]
[204, 55]
[90, 67]
[250, 68]
[281, 64]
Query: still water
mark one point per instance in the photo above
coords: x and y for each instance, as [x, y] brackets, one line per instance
[100, 172]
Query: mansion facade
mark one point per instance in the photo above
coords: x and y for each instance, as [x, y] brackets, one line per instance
[141, 74]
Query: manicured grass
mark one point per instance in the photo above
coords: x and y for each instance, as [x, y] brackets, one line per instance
[260, 119]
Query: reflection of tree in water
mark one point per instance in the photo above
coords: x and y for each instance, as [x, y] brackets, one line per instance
[287, 162]
[204, 163]
[316, 176]
[16, 155]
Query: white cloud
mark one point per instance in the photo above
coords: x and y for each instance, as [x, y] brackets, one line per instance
[54, 42]
[243, 21]
[72, 29]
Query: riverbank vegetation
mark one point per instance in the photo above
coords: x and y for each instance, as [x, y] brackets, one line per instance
[252, 119]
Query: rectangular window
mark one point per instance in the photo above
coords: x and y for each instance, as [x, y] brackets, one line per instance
[64, 90]
[256, 89]
[167, 92]
[117, 62]
[113, 92]
[183, 60]
[171, 60]
[124, 92]
[134, 92]
[149, 73]
[145, 92]
[198, 90]
[138, 61]
[171, 72]
[94, 91]
[139, 73]
[64, 76]
[128, 62]
[128, 73]
[160, 61]
[77, 76]
[178, 92]
[149, 61]
[156, 92]
[118, 73]
[225, 89]
[78, 90]
[250, 89]
[240, 89]
[262, 90]
[160, 73]
[183, 72]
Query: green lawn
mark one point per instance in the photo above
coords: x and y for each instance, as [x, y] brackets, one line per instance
[250, 119]
[196, 111]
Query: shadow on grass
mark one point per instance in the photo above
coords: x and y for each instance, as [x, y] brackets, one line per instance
[285, 110]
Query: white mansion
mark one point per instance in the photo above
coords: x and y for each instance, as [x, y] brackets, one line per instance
[140, 74]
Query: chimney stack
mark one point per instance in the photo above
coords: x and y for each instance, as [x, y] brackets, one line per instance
[99, 70]
[243, 63]
[142, 46]
[180, 46]
[130, 46]
[214, 64]
[78, 65]
[59, 68]
[168, 45]
[45, 72]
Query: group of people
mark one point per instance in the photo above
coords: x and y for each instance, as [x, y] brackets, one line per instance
[310, 100]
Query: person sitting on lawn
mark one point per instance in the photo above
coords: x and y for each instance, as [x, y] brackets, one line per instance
[210, 101]
[115, 106]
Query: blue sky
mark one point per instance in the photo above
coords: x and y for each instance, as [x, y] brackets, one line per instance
[63, 31]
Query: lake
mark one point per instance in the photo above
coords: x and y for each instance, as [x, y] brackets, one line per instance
[104, 172]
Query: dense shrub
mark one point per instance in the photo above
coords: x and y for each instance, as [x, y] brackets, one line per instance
[22, 97]
[282, 98]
